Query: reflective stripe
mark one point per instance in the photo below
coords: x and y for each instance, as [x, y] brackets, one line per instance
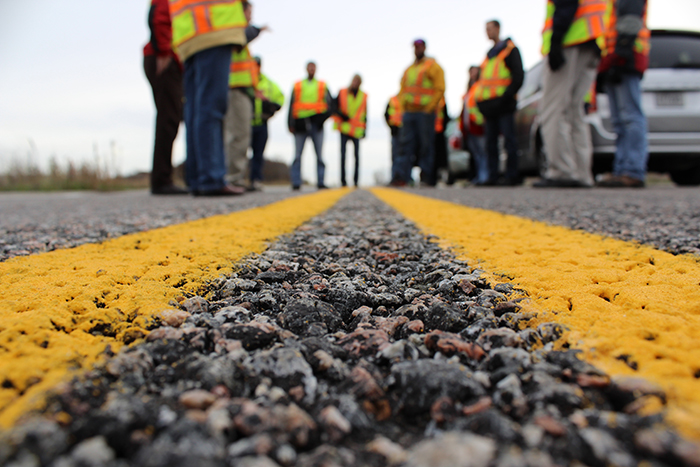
[475, 115]
[588, 24]
[440, 116]
[304, 108]
[418, 89]
[191, 18]
[395, 112]
[244, 70]
[355, 126]
[495, 76]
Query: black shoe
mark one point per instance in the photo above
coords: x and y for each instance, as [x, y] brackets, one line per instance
[226, 190]
[511, 181]
[169, 190]
[558, 183]
[486, 183]
[322, 187]
[296, 188]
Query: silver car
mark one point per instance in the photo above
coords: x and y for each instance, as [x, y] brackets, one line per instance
[670, 100]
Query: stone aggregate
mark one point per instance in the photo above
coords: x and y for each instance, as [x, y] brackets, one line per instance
[354, 341]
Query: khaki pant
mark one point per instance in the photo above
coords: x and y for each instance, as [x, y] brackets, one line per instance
[567, 138]
[237, 134]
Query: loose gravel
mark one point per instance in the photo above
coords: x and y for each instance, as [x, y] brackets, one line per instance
[353, 341]
[667, 218]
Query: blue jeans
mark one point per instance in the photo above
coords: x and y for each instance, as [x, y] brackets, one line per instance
[502, 125]
[477, 147]
[343, 150]
[395, 156]
[206, 98]
[417, 145]
[258, 143]
[316, 135]
[630, 125]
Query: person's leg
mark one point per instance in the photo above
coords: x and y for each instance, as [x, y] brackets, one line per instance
[632, 149]
[259, 141]
[492, 125]
[426, 145]
[167, 95]
[238, 134]
[507, 124]
[211, 100]
[477, 146]
[356, 144]
[395, 152]
[408, 146]
[317, 139]
[295, 172]
[343, 150]
[581, 143]
[555, 117]
[189, 84]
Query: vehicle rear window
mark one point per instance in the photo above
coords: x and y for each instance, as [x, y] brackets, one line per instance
[674, 52]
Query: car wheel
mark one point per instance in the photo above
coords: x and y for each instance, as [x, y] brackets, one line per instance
[688, 177]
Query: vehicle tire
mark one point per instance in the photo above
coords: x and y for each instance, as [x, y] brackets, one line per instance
[687, 177]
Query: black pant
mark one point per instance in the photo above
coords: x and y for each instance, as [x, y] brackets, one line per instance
[168, 96]
[343, 146]
[495, 126]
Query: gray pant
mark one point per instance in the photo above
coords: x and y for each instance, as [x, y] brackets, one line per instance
[237, 134]
[567, 138]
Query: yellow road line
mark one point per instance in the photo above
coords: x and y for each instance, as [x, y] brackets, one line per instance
[50, 303]
[616, 297]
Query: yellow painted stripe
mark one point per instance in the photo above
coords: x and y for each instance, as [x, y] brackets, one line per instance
[616, 297]
[50, 302]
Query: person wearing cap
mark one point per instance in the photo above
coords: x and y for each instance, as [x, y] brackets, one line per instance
[502, 76]
[268, 100]
[422, 88]
[309, 107]
[350, 108]
[243, 80]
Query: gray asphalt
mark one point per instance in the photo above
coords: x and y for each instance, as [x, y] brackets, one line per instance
[665, 217]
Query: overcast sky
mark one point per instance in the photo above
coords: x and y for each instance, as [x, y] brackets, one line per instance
[72, 82]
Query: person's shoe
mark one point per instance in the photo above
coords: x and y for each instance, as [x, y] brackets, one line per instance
[511, 182]
[558, 183]
[169, 190]
[255, 185]
[322, 187]
[620, 181]
[296, 188]
[226, 190]
[397, 183]
[490, 182]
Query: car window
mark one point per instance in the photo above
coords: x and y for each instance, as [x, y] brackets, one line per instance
[532, 82]
[674, 52]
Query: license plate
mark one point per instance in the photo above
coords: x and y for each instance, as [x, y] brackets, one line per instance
[669, 99]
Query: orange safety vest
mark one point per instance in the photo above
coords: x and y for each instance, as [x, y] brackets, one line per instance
[588, 24]
[641, 44]
[418, 89]
[191, 18]
[395, 112]
[440, 117]
[303, 106]
[356, 125]
[495, 75]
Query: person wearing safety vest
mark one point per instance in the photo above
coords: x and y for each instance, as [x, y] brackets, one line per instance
[422, 88]
[442, 118]
[164, 73]
[472, 126]
[569, 37]
[394, 116]
[625, 59]
[309, 107]
[351, 120]
[205, 33]
[501, 77]
[243, 79]
[269, 99]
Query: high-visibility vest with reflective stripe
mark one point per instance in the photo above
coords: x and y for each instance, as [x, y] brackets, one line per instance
[440, 117]
[495, 75]
[588, 24]
[395, 112]
[608, 41]
[191, 18]
[475, 115]
[309, 98]
[272, 92]
[244, 70]
[418, 87]
[355, 107]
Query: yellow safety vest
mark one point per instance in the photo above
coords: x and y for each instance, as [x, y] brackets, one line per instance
[495, 75]
[395, 112]
[355, 107]
[272, 92]
[440, 116]
[418, 87]
[191, 18]
[608, 41]
[475, 115]
[244, 70]
[588, 24]
[309, 99]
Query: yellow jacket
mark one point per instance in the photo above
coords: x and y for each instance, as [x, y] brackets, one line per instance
[437, 76]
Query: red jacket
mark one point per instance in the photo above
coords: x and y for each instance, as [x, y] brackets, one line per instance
[161, 31]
